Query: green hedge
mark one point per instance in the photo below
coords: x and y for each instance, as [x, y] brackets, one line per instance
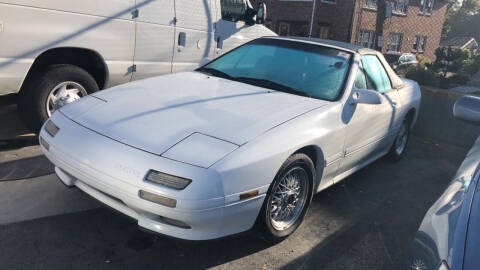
[422, 76]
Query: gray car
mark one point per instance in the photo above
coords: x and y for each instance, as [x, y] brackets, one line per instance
[449, 235]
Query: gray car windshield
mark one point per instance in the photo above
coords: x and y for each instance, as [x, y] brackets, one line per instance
[288, 66]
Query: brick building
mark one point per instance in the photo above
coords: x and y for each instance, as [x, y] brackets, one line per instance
[414, 27]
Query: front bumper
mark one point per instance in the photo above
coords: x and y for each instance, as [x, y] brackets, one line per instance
[114, 173]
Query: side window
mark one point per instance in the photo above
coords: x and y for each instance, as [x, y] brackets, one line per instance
[360, 81]
[376, 73]
[233, 10]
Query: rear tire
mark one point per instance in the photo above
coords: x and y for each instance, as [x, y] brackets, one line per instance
[35, 93]
[401, 141]
[269, 222]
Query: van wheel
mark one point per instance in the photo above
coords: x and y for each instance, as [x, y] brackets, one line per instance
[50, 89]
[287, 199]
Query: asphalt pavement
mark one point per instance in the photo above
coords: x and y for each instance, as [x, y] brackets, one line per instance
[365, 222]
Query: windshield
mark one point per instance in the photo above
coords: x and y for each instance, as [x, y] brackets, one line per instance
[288, 66]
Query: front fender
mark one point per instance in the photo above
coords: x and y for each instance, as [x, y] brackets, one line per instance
[256, 163]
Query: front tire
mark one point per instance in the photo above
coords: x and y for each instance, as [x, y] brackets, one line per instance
[287, 199]
[50, 89]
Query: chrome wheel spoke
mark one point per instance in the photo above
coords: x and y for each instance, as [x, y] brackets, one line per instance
[288, 198]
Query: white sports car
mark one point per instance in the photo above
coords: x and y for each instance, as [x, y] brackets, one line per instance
[242, 142]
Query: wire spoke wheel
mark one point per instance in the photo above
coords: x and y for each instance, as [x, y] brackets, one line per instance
[288, 199]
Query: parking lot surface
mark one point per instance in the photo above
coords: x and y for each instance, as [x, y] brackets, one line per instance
[365, 222]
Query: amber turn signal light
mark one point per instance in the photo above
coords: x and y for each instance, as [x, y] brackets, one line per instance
[247, 195]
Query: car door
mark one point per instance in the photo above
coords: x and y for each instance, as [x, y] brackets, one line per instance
[155, 32]
[370, 126]
[194, 40]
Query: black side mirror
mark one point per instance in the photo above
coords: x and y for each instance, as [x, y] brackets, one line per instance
[261, 13]
[249, 15]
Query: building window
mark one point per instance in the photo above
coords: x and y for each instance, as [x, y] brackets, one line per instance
[419, 43]
[424, 43]
[371, 3]
[400, 6]
[283, 29]
[366, 38]
[329, 1]
[426, 6]
[394, 42]
[323, 31]
[416, 42]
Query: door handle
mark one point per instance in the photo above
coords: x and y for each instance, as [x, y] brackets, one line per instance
[219, 43]
[182, 39]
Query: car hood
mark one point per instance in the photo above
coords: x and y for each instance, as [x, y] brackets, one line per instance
[156, 113]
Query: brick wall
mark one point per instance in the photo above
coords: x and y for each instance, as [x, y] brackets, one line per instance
[336, 17]
[343, 26]
[410, 25]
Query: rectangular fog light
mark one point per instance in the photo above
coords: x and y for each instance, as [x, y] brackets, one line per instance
[174, 222]
[51, 128]
[44, 143]
[157, 198]
[168, 180]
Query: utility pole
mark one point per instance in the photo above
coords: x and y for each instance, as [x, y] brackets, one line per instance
[381, 15]
[311, 20]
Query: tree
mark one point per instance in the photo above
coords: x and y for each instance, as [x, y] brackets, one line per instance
[450, 60]
[462, 19]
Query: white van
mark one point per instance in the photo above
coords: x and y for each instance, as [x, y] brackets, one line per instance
[53, 52]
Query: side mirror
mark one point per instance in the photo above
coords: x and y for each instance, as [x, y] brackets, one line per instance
[363, 96]
[261, 13]
[467, 108]
[250, 14]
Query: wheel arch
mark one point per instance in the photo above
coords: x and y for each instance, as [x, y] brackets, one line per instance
[315, 153]
[87, 59]
[411, 116]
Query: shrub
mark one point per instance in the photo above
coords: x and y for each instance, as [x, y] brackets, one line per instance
[422, 76]
[459, 79]
[471, 66]
[443, 82]
[423, 61]
[454, 56]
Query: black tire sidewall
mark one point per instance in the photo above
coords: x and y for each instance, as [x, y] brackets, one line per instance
[263, 220]
[33, 100]
[393, 153]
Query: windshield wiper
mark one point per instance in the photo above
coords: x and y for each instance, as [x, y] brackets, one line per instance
[272, 85]
[214, 72]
